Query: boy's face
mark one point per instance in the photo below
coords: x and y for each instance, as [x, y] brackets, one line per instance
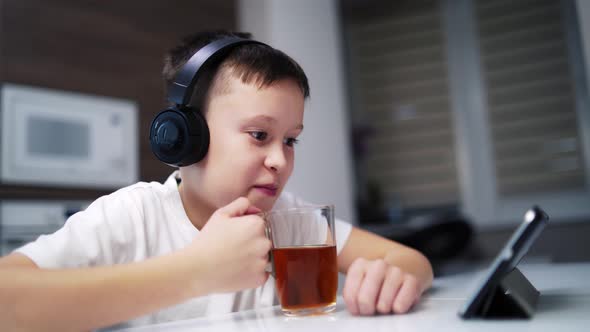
[251, 151]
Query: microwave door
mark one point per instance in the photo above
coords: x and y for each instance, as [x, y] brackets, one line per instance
[56, 141]
[50, 144]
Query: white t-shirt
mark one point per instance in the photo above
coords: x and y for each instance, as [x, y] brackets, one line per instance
[141, 221]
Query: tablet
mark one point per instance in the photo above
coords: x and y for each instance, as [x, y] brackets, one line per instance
[503, 290]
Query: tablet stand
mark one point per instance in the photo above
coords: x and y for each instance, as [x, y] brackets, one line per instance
[514, 297]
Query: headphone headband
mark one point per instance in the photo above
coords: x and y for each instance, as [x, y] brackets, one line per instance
[180, 90]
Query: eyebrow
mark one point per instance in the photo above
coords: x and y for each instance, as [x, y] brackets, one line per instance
[270, 120]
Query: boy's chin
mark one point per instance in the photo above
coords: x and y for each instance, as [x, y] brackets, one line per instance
[263, 203]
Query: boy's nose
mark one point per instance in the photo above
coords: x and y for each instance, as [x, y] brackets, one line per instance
[276, 159]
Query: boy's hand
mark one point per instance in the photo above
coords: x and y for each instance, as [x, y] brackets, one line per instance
[373, 286]
[233, 247]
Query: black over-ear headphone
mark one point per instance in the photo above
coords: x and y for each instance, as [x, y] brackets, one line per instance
[179, 135]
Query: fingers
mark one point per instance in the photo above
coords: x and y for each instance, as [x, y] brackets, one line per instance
[238, 207]
[391, 285]
[354, 278]
[245, 221]
[260, 272]
[254, 240]
[264, 248]
[242, 210]
[252, 210]
[251, 224]
[407, 294]
[375, 286]
[370, 287]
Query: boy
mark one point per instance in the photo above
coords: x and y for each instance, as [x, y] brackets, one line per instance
[194, 245]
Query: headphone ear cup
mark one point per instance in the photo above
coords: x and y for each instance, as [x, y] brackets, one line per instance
[179, 137]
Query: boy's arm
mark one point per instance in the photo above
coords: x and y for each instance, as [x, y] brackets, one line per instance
[382, 275]
[229, 254]
[34, 299]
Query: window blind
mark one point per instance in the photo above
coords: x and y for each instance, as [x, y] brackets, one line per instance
[402, 95]
[530, 96]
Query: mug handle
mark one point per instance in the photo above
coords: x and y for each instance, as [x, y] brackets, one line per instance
[271, 262]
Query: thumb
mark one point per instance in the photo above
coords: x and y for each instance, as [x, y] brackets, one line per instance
[253, 210]
[239, 207]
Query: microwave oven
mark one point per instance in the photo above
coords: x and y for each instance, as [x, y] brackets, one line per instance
[60, 138]
[22, 221]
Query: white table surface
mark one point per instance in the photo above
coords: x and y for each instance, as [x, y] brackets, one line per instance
[564, 305]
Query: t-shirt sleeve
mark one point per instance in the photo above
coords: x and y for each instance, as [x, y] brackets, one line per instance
[342, 232]
[100, 235]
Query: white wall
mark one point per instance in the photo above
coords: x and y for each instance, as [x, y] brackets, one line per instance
[309, 31]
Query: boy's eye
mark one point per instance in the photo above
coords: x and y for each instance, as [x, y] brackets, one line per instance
[259, 135]
[291, 141]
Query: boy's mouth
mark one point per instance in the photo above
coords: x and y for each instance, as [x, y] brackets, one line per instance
[267, 189]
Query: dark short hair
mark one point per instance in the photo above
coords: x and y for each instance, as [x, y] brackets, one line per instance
[251, 63]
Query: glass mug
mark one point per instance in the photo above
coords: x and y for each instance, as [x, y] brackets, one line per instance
[303, 258]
